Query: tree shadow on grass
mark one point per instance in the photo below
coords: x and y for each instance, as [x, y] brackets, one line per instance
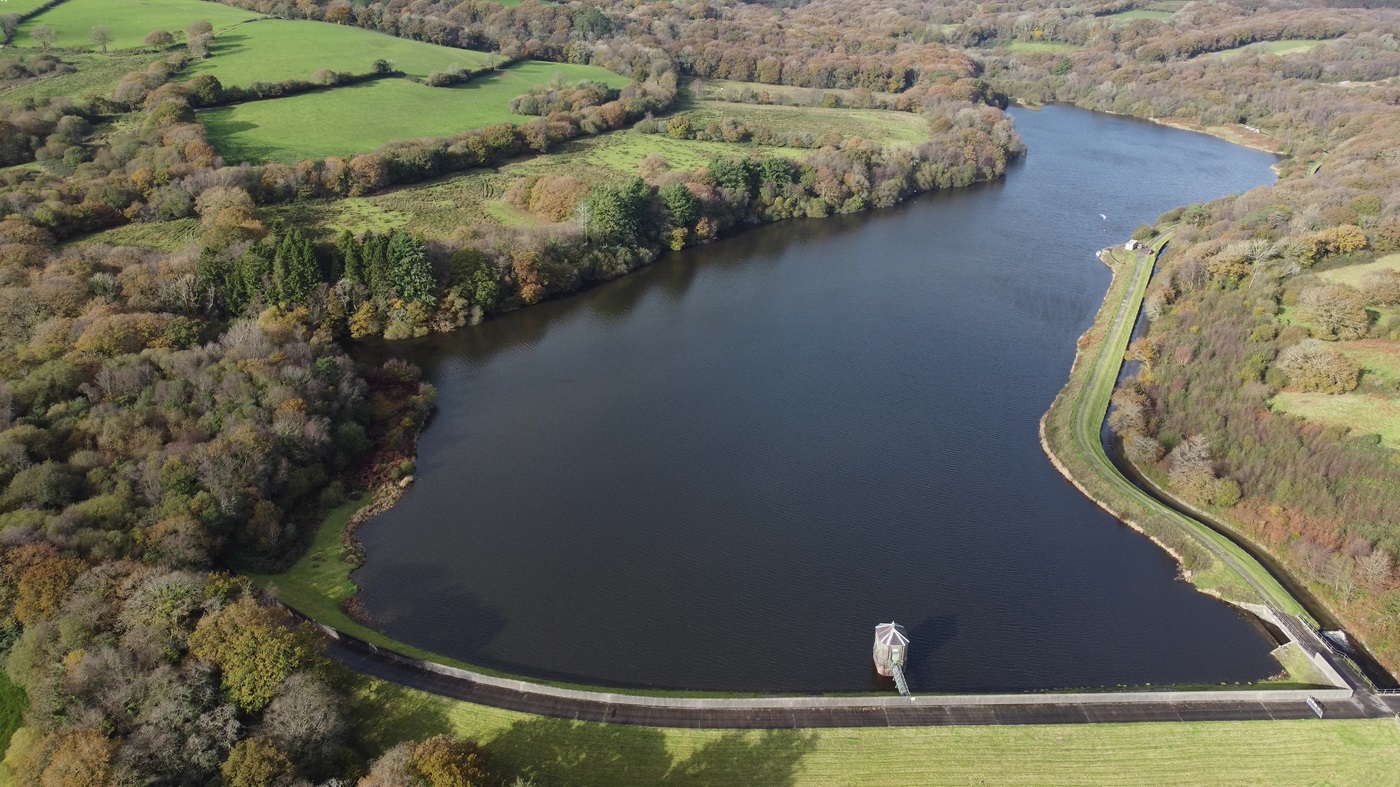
[561, 752]
[383, 714]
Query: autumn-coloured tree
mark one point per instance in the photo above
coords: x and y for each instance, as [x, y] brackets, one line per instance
[255, 648]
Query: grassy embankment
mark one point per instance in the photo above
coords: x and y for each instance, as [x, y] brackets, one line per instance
[1374, 408]
[558, 751]
[354, 119]
[12, 704]
[1071, 431]
[127, 21]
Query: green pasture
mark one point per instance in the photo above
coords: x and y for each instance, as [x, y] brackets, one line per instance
[167, 236]
[874, 124]
[19, 7]
[355, 119]
[580, 754]
[1361, 413]
[1379, 357]
[128, 21]
[96, 74]
[271, 50]
[12, 705]
[728, 90]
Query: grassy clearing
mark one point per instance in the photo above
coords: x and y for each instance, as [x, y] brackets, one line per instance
[875, 124]
[241, 55]
[1378, 357]
[1361, 413]
[728, 90]
[1290, 46]
[128, 21]
[96, 74]
[358, 118]
[167, 236]
[1139, 13]
[557, 751]
[1351, 274]
[1039, 47]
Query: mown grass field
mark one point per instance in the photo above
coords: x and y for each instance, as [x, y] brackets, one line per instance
[1219, 754]
[1290, 46]
[358, 118]
[128, 21]
[96, 74]
[241, 55]
[1361, 413]
[874, 124]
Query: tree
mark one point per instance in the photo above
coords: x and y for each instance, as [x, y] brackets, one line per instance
[198, 28]
[101, 36]
[1312, 365]
[158, 39]
[75, 758]
[616, 212]
[681, 203]
[256, 762]
[1338, 311]
[410, 273]
[442, 761]
[44, 35]
[306, 719]
[255, 648]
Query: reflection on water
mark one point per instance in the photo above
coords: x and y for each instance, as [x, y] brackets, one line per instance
[721, 472]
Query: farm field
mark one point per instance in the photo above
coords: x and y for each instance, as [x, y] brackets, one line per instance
[303, 48]
[874, 124]
[128, 21]
[96, 74]
[358, 118]
[557, 751]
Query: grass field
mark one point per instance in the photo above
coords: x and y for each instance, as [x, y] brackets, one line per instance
[1291, 46]
[241, 55]
[1039, 46]
[20, 7]
[1219, 754]
[1351, 274]
[358, 118]
[96, 74]
[1359, 412]
[1379, 357]
[127, 20]
[875, 124]
[1139, 13]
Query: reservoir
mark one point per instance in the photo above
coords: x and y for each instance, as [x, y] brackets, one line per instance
[721, 472]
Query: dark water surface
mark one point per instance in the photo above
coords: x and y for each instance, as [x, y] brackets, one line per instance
[721, 472]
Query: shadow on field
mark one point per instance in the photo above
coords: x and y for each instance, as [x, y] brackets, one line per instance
[558, 751]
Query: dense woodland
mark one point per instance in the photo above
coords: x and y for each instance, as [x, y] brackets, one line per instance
[170, 419]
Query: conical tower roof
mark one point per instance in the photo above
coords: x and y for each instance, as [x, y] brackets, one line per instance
[891, 635]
